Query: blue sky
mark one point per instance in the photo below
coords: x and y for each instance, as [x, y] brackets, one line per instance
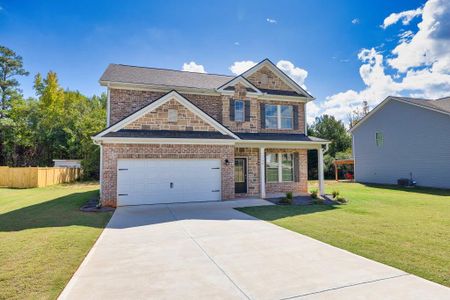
[78, 39]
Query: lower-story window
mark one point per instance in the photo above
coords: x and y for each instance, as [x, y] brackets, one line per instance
[279, 167]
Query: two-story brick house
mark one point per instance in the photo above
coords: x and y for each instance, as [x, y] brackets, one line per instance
[177, 136]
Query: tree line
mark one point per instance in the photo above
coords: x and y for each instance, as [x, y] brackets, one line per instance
[55, 124]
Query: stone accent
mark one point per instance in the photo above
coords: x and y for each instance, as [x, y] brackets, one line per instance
[295, 187]
[254, 125]
[158, 119]
[113, 152]
[252, 155]
[264, 78]
[125, 102]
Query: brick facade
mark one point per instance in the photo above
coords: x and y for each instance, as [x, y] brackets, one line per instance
[254, 124]
[264, 78]
[158, 119]
[113, 152]
[125, 102]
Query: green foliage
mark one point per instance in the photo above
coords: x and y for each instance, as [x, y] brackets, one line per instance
[327, 127]
[57, 125]
[314, 194]
[289, 195]
[335, 193]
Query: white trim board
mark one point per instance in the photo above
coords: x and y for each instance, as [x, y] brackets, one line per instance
[242, 80]
[152, 106]
[389, 98]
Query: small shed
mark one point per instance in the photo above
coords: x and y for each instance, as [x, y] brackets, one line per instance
[67, 163]
[343, 162]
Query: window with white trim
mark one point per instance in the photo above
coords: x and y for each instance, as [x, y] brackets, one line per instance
[239, 115]
[279, 167]
[279, 116]
[379, 139]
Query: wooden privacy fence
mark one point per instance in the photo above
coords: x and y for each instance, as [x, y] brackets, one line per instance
[29, 177]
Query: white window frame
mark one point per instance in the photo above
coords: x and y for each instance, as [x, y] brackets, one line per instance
[236, 111]
[280, 167]
[278, 116]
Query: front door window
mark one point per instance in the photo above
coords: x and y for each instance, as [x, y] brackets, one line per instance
[240, 175]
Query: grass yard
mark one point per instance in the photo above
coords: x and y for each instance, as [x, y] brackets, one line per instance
[44, 238]
[405, 228]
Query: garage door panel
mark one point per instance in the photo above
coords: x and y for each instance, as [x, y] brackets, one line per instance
[151, 181]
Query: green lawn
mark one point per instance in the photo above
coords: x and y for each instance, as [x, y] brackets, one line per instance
[405, 228]
[44, 238]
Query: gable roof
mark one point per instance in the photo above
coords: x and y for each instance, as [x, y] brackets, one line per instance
[441, 105]
[251, 88]
[116, 73]
[157, 103]
[288, 80]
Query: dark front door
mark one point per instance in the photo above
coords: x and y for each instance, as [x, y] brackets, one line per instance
[240, 175]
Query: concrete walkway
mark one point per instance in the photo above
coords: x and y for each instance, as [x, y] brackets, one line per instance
[211, 251]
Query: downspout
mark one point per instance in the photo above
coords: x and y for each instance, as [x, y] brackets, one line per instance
[107, 106]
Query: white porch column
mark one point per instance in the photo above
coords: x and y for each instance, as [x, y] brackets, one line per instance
[262, 172]
[320, 171]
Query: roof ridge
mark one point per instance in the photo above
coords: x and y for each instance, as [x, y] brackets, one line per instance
[174, 70]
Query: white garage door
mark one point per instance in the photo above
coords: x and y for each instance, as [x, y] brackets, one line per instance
[150, 181]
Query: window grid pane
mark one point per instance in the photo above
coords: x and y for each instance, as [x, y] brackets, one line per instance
[272, 165]
[239, 110]
[287, 167]
[286, 116]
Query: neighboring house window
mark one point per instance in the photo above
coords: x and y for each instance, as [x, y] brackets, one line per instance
[379, 139]
[239, 111]
[172, 115]
[279, 167]
[272, 166]
[279, 116]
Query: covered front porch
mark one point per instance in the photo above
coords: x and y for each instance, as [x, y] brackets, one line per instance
[269, 169]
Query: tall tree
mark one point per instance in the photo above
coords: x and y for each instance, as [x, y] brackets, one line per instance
[11, 66]
[357, 114]
[327, 127]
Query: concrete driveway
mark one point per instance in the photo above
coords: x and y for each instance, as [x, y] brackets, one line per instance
[211, 251]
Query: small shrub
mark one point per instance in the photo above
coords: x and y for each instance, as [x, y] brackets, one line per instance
[335, 194]
[289, 195]
[285, 200]
[341, 200]
[314, 194]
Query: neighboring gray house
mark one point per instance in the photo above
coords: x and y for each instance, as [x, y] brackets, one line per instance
[403, 137]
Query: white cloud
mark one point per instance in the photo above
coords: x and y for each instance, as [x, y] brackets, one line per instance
[193, 67]
[312, 111]
[239, 67]
[236, 43]
[355, 21]
[297, 74]
[272, 21]
[404, 16]
[419, 65]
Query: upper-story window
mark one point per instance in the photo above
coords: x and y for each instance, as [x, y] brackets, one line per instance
[239, 115]
[379, 139]
[279, 116]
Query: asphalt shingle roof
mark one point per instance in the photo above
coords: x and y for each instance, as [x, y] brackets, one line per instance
[442, 104]
[156, 76]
